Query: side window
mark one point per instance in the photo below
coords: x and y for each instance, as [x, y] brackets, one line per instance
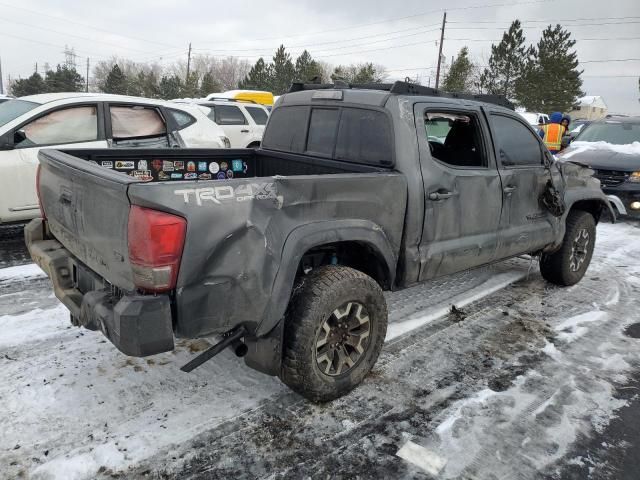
[364, 136]
[69, 125]
[259, 115]
[229, 115]
[515, 143]
[134, 121]
[322, 130]
[287, 129]
[182, 119]
[455, 139]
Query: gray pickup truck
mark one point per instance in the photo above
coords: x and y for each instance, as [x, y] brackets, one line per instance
[285, 251]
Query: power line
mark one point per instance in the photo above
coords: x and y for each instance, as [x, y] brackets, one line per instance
[576, 39]
[556, 20]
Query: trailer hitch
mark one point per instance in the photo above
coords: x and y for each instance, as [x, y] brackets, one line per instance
[230, 338]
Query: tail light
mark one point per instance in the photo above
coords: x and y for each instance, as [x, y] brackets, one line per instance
[155, 242]
[42, 214]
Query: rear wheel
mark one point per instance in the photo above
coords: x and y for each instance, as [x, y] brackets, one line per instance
[335, 327]
[568, 265]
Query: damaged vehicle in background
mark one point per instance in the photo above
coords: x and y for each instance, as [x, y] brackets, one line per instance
[611, 147]
[286, 251]
[86, 120]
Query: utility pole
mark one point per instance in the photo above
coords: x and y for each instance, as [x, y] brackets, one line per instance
[36, 67]
[87, 87]
[188, 64]
[1, 85]
[444, 21]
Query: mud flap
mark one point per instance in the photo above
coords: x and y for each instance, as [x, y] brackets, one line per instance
[264, 354]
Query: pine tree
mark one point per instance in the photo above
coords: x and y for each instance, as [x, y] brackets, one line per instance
[28, 86]
[116, 82]
[190, 88]
[209, 84]
[551, 81]
[307, 68]
[506, 63]
[283, 71]
[258, 78]
[170, 87]
[362, 73]
[459, 78]
[64, 79]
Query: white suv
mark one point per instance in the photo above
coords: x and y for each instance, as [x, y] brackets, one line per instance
[87, 120]
[243, 121]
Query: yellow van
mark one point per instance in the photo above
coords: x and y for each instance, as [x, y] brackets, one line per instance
[258, 96]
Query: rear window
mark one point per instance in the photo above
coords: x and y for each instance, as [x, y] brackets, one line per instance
[259, 115]
[287, 129]
[349, 134]
[228, 115]
[182, 119]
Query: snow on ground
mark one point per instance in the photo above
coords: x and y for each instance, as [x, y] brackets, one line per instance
[503, 392]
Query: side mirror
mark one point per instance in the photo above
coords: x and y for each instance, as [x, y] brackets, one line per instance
[19, 136]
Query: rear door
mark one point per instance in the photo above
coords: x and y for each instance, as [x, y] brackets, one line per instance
[130, 125]
[463, 196]
[70, 126]
[258, 117]
[525, 225]
[233, 122]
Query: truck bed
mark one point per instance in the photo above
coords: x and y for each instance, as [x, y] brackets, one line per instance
[235, 250]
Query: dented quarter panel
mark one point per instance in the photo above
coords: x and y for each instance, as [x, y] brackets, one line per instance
[237, 247]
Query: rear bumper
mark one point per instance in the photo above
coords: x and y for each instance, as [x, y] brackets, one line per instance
[138, 325]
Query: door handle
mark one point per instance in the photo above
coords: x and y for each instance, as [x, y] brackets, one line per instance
[509, 189]
[440, 196]
[244, 131]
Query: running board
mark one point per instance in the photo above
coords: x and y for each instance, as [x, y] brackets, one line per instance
[208, 354]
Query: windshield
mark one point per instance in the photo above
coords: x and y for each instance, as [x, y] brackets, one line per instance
[617, 133]
[13, 109]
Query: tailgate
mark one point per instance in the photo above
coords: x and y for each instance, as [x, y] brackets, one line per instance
[87, 210]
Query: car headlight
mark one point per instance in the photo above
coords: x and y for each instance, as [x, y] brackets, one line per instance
[226, 141]
[634, 177]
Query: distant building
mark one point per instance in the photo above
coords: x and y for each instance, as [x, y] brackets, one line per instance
[591, 107]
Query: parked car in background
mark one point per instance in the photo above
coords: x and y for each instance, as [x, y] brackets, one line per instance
[242, 121]
[86, 120]
[535, 119]
[611, 147]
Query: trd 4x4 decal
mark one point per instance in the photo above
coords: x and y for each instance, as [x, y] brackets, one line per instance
[226, 193]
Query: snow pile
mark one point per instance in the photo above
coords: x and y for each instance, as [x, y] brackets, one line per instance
[581, 147]
[31, 270]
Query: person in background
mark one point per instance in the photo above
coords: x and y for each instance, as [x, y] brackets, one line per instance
[553, 133]
[566, 120]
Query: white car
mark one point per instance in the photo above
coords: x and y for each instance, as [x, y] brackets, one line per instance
[534, 119]
[87, 120]
[242, 121]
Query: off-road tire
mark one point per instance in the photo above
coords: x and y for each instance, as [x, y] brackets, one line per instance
[557, 267]
[316, 298]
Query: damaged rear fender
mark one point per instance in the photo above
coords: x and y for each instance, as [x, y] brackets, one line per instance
[316, 234]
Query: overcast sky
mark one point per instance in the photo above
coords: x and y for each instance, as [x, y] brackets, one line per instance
[401, 35]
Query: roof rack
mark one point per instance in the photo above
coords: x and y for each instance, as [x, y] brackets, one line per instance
[230, 99]
[404, 88]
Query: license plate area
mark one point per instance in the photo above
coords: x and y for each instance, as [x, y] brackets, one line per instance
[86, 280]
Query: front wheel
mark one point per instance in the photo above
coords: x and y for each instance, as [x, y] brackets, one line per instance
[334, 331]
[568, 265]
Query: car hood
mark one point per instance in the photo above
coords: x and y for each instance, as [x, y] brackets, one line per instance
[603, 156]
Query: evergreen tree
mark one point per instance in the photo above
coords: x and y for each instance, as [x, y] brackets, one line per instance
[307, 68]
[209, 84]
[506, 63]
[170, 87]
[190, 88]
[28, 86]
[459, 78]
[258, 78]
[116, 82]
[363, 73]
[64, 79]
[551, 81]
[283, 71]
